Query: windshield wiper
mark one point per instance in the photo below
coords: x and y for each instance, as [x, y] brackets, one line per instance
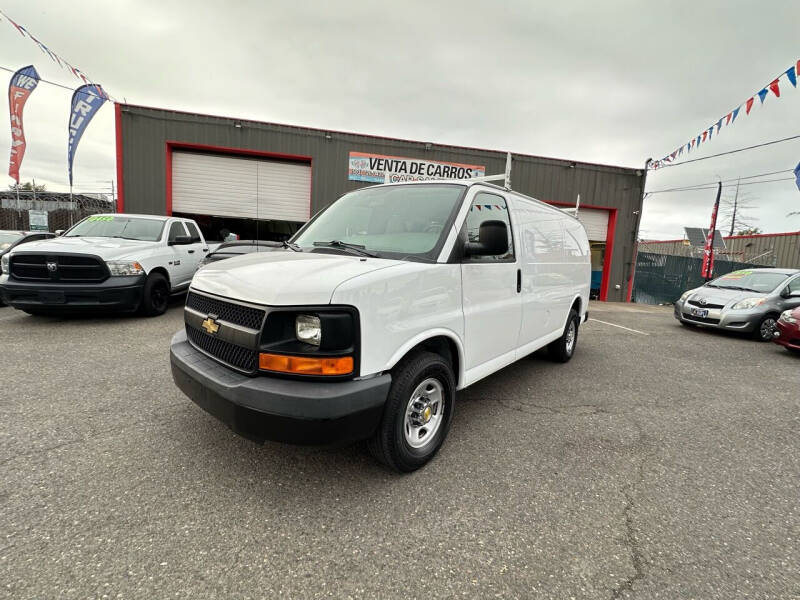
[292, 246]
[358, 248]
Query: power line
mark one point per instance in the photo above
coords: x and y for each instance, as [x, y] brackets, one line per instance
[66, 87]
[686, 162]
[713, 187]
[697, 185]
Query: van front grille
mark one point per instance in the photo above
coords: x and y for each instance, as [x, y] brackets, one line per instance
[239, 357]
[238, 314]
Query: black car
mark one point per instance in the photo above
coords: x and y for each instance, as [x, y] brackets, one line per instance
[239, 247]
[10, 239]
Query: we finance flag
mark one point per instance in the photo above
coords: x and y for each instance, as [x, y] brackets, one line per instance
[21, 86]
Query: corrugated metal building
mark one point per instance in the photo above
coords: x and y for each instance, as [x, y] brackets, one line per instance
[768, 249]
[233, 174]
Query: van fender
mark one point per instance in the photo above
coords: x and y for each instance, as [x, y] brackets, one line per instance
[426, 335]
[582, 313]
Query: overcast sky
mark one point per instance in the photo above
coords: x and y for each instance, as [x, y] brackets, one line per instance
[607, 82]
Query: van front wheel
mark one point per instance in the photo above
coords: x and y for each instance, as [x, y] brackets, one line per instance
[564, 347]
[418, 412]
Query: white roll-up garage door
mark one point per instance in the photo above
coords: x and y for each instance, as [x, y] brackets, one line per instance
[595, 222]
[232, 186]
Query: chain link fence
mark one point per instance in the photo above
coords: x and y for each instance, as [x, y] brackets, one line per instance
[662, 278]
[17, 212]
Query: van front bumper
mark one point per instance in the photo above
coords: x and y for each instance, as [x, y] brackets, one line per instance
[115, 293]
[283, 410]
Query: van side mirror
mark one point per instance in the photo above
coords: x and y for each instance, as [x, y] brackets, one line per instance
[492, 240]
[180, 240]
[59, 232]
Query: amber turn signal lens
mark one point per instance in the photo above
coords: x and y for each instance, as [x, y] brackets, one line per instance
[304, 365]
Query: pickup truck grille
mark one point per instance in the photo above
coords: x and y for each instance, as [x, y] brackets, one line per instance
[69, 268]
[245, 316]
[244, 359]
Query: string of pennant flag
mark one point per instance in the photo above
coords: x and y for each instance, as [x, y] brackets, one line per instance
[56, 58]
[774, 86]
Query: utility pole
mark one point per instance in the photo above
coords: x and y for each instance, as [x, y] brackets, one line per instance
[735, 198]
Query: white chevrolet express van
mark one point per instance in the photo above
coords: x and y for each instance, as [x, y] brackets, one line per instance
[378, 310]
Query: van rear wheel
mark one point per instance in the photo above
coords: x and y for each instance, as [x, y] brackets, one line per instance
[564, 347]
[418, 413]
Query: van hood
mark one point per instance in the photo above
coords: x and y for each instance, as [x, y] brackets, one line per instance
[104, 247]
[284, 278]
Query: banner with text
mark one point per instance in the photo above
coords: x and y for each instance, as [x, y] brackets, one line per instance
[86, 101]
[375, 167]
[21, 86]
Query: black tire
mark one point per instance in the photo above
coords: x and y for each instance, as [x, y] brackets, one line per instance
[389, 444]
[763, 331]
[155, 295]
[564, 347]
[33, 312]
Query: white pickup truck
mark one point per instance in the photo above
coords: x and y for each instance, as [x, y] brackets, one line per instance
[378, 310]
[116, 262]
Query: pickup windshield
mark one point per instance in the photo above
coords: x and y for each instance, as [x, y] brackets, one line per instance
[749, 281]
[403, 221]
[118, 226]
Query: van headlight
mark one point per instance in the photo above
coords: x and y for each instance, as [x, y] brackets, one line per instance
[308, 329]
[748, 303]
[786, 317]
[4, 264]
[124, 268]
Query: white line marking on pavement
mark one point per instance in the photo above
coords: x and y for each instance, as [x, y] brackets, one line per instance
[620, 326]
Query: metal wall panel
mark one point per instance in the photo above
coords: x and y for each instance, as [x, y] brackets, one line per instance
[146, 131]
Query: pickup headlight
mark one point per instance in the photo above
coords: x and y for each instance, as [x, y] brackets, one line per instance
[308, 329]
[786, 317]
[4, 264]
[124, 268]
[748, 303]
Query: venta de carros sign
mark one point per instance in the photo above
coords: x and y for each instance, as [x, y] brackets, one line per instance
[374, 168]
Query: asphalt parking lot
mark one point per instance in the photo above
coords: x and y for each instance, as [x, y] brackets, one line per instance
[661, 462]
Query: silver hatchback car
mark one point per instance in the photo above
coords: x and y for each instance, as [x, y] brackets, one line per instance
[749, 301]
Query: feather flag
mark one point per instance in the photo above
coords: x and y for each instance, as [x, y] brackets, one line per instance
[21, 86]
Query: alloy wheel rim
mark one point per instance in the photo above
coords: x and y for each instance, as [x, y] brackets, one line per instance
[767, 328]
[570, 341]
[424, 413]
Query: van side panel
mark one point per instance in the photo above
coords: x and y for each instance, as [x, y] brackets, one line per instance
[546, 286]
[577, 256]
[401, 305]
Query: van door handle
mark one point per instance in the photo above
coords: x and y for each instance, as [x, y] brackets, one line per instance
[519, 280]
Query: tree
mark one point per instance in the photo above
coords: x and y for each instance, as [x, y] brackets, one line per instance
[736, 212]
[27, 187]
[749, 231]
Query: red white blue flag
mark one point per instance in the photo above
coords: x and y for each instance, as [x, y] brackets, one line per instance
[22, 84]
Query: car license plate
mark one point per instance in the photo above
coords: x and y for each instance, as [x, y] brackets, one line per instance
[52, 297]
[700, 312]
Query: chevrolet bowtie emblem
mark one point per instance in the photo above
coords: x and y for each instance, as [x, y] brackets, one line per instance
[210, 325]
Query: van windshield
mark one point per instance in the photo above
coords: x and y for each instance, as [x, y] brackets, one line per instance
[400, 221]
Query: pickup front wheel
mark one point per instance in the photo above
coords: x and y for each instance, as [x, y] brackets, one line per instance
[155, 295]
[418, 412]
